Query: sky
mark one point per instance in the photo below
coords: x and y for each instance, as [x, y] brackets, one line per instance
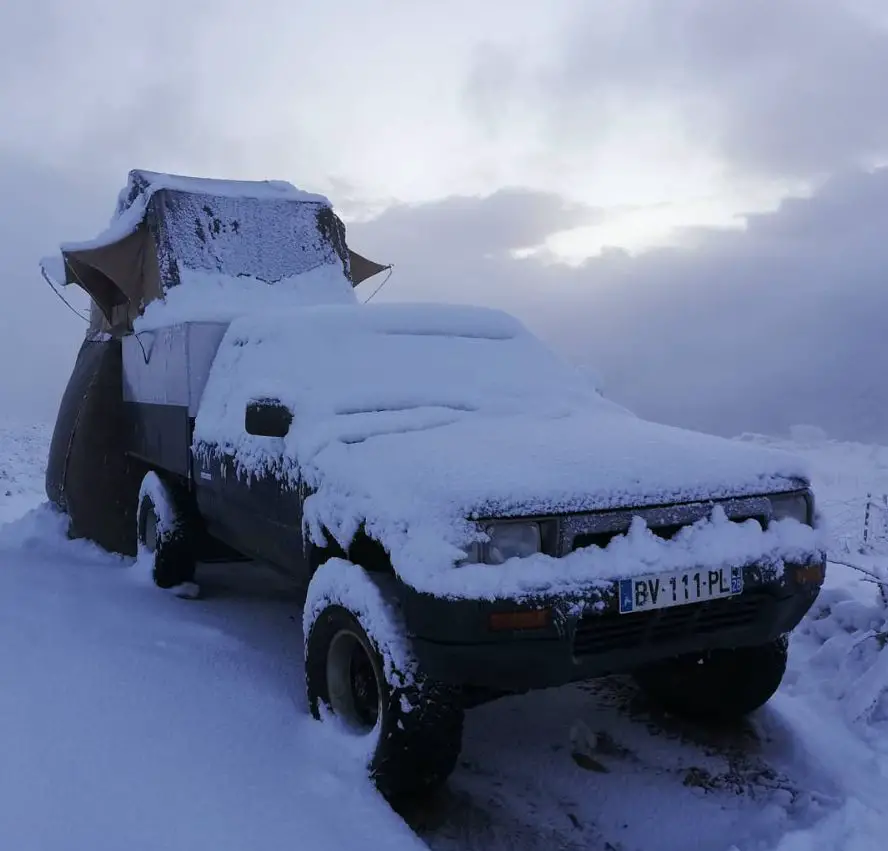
[685, 196]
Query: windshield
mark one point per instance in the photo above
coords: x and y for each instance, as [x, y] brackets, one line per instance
[346, 360]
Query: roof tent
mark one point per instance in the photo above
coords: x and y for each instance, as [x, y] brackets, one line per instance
[166, 227]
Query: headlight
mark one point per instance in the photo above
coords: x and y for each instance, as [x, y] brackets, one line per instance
[507, 540]
[790, 505]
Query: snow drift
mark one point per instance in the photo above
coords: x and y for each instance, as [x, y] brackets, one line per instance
[135, 721]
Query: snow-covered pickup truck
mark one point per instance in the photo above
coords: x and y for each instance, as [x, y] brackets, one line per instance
[470, 516]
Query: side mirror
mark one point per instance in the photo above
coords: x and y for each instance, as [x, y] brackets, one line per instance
[268, 418]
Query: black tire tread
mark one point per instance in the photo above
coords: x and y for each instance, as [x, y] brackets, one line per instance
[730, 684]
[420, 757]
[417, 750]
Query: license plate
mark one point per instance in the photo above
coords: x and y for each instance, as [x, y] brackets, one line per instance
[662, 590]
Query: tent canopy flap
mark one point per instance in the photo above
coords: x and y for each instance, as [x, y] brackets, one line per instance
[203, 225]
[362, 268]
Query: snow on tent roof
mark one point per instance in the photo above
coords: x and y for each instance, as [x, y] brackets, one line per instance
[165, 226]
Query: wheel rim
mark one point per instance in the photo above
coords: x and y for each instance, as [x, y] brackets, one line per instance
[149, 530]
[353, 686]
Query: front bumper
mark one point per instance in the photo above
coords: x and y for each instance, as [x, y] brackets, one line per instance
[587, 637]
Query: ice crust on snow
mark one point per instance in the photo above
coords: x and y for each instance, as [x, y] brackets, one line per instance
[414, 419]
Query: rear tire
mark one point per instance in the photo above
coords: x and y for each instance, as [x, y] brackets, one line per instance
[721, 685]
[413, 726]
[165, 535]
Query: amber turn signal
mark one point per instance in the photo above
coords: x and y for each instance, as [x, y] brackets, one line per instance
[813, 574]
[535, 619]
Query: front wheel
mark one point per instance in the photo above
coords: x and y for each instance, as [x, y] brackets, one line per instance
[412, 726]
[719, 685]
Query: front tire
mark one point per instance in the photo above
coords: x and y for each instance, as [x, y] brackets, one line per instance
[722, 685]
[413, 726]
[165, 539]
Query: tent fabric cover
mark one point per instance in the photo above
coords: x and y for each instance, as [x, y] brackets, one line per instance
[89, 474]
[164, 230]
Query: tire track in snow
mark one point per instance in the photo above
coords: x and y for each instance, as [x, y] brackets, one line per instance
[593, 767]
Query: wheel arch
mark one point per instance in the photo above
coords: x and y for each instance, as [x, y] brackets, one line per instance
[362, 550]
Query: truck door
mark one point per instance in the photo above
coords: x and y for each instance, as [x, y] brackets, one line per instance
[260, 516]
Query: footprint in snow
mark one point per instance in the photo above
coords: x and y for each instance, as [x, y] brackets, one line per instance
[587, 748]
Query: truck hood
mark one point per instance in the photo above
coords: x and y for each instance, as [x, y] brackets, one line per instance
[445, 463]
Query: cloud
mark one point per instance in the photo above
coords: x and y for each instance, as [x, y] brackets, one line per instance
[474, 228]
[755, 330]
[777, 87]
[84, 79]
[39, 336]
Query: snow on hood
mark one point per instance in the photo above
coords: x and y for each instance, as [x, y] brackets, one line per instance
[413, 418]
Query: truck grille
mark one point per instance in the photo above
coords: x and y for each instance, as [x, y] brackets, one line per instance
[613, 632]
[599, 528]
[667, 531]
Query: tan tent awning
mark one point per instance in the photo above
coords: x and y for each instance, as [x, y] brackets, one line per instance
[362, 268]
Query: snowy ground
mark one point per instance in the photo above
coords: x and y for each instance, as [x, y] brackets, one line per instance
[133, 720]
